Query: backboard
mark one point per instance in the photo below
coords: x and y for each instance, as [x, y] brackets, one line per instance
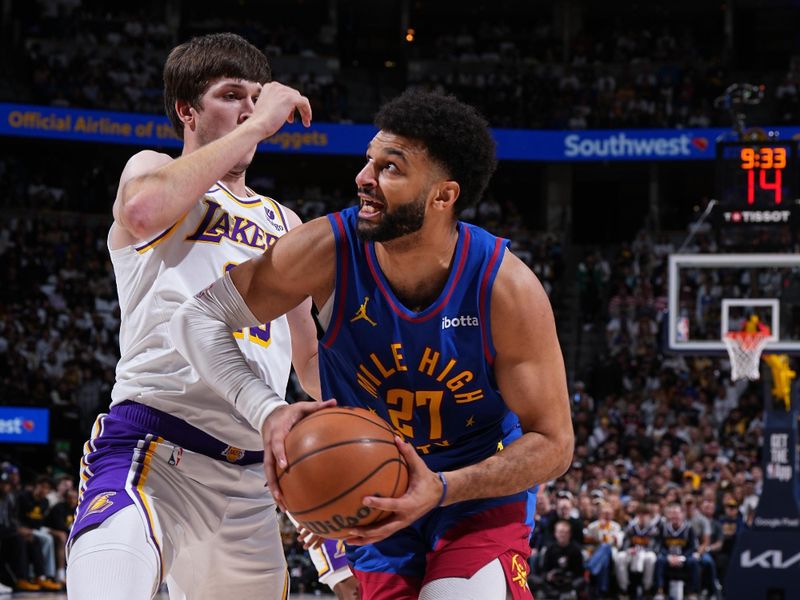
[712, 294]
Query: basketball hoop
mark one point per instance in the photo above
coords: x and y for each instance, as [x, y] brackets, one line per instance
[744, 349]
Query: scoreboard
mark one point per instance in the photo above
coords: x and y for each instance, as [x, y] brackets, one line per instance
[757, 181]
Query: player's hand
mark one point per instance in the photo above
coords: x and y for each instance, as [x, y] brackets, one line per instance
[347, 589]
[277, 105]
[422, 496]
[274, 432]
[308, 538]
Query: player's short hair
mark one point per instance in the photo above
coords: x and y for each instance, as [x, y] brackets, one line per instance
[455, 135]
[196, 64]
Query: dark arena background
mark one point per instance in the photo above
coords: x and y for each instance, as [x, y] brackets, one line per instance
[649, 174]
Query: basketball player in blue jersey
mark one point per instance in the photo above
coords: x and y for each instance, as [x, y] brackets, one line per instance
[172, 478]
[435, 326]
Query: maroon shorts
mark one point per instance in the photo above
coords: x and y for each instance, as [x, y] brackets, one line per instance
[467, 546]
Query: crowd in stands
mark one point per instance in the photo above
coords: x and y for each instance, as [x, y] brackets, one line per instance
[634, 74]
[667, 459]
[59, 319]
[111, 58]
[35, 520]
[787, 94]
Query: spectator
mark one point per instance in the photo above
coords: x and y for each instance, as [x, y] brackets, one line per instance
[603, 539]
[62, 514]
[702, 530]
[544, 519]
[64, 484]
[676, 554]
[731, 523]
[18, 547]
[33, 508]
[565, 511]
[714, 539]
[559, 568]
[638, 554]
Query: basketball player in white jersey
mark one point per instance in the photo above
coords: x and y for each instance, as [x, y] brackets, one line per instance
[172, 482]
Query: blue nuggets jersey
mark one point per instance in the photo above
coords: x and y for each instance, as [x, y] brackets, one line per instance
[429, 374]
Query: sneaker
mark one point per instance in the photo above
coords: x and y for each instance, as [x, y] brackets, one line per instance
[692, 597]
[50, 585]
[25, 585]
[4, 589]
[659, 595]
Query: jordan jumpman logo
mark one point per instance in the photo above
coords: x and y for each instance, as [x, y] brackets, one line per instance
[361, 313]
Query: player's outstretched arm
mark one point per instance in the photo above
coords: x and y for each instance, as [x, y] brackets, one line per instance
[530, 373]
[298, 265]
[155, 191]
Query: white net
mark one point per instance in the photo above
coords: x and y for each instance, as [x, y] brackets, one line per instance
[744, 350]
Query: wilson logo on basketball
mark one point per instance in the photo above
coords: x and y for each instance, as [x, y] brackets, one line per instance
[337, 523]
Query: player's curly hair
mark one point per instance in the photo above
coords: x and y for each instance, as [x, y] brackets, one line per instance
[455, 135]
[194, 65]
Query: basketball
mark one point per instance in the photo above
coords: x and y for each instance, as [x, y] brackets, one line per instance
[336, 457]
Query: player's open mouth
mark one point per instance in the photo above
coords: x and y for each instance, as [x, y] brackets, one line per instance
[370, 208]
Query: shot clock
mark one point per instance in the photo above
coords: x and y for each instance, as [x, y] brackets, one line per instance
[757, 175]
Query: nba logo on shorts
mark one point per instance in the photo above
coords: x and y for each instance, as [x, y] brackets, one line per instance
[233, 454]
[175, 457]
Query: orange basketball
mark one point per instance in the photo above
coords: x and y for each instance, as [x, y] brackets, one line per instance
[336, 457]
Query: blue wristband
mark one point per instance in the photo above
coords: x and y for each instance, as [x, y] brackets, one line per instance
[444, 488]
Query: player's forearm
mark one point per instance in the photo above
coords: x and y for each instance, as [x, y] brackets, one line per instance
[308, 374]
[304, 347]
[201, 330]
[532, 459]
[153, 202]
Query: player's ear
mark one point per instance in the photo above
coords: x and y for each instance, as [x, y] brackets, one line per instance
[446, 194]
[186, 113]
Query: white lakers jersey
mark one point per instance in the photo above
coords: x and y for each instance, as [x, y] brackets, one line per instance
[156, 277]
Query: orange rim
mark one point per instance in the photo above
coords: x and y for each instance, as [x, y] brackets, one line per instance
[747, 340]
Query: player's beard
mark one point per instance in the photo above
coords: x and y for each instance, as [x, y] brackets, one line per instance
[398, 222]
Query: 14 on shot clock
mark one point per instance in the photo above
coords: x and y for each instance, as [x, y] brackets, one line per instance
[757, 181]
